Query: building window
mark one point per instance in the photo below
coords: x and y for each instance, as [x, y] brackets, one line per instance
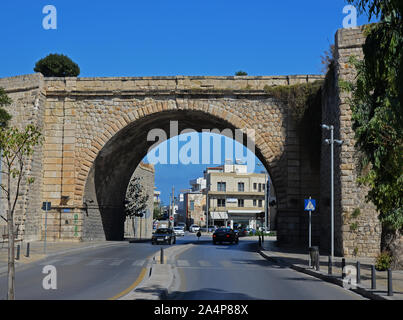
[260, 187]
[241, 186]
[221, 186]
[264, 186]
[220, 202]
[255, 186]
[192, 205]
[260, 203]
[254, 202]
[240, 203]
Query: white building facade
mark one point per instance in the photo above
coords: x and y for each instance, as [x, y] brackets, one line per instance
[236, 198]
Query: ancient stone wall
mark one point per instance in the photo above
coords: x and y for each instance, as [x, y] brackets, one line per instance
[357, 228]
[95, 134]
[28, 107]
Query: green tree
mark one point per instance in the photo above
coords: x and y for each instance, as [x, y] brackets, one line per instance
[4, 101]
[241, 73]
[17, 148]
[136, 199]
[157, 214]
[377, 106]
[57, 65]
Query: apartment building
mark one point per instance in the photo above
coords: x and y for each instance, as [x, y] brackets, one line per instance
[236, 198]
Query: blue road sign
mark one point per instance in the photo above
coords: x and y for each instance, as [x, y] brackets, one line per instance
[46, 206]
[310, 204]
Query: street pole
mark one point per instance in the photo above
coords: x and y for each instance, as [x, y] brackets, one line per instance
[310, 226]
[207, 206]
[266, 202]
[46, 226]
[332, 187]
[331, 142]
[173, 207]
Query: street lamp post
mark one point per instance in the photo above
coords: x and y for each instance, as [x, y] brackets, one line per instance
[331, 142]
[266, 197]
[207, 205]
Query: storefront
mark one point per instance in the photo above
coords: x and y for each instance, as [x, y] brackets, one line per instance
[244, 219]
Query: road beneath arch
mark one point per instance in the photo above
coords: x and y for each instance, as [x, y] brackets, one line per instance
[237, 272]
[205, 272]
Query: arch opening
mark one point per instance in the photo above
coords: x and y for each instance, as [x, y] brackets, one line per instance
[107, 180]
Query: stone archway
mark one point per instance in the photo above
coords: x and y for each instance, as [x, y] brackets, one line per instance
[114, 163]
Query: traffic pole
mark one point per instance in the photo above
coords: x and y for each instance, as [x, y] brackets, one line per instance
[332, 188]
[46, 226]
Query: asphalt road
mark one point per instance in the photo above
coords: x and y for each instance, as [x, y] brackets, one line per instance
[234, 272]
[205, 272]
[97, 274]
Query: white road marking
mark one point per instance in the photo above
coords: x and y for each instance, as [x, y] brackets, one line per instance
[138, 263]
[205, 263]
[226, 263]
[95, 262]
[72, 261]
[117, 262]
[183, 263]
[49, 262]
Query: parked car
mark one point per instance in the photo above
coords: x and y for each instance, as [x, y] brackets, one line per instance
[179, 231]
[225, 235]
[194, 228]
[243, 232]
[164, 235]
[182, 225]
[212, 228]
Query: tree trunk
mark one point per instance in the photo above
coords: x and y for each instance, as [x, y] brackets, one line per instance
[391, 241]
[11, 266]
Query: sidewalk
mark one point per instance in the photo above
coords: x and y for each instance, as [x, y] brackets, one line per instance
[298, 260]
[52, 248]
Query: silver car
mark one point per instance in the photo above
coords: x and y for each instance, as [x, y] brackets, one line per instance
[179, 231]
[194, 228]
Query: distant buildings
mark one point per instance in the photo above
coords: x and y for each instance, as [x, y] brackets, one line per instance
[232, 197]
[236, 198]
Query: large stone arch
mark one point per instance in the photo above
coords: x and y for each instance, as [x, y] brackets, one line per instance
[79, 117]
[123, 143]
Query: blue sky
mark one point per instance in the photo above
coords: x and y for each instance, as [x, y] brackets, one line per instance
[157, 38]
[180, 173]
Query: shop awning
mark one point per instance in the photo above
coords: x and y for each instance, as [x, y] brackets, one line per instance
[219, 215]
[244, 211]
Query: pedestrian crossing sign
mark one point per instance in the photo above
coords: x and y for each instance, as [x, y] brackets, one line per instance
[310, 204]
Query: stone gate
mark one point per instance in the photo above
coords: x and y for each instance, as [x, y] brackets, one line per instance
[95, 132]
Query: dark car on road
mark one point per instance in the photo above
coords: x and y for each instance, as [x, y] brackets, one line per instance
[225, 235]
[164, 235]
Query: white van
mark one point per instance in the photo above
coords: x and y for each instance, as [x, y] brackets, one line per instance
[194, 228]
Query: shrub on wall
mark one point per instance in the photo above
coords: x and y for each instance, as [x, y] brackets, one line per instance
[57, 65]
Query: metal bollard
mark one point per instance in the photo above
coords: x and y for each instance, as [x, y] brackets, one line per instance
[18, 252]
[27, 255]
[358, 272]
[330, 266]
[390, 283]
[373, 278]
[343, 265]
[317, 258]
[162, 256]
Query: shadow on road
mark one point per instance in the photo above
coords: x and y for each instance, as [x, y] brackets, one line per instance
[208, 294]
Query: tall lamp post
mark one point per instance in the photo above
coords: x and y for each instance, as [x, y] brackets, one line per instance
[266, 197]
[207, 205]
[331, 142]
